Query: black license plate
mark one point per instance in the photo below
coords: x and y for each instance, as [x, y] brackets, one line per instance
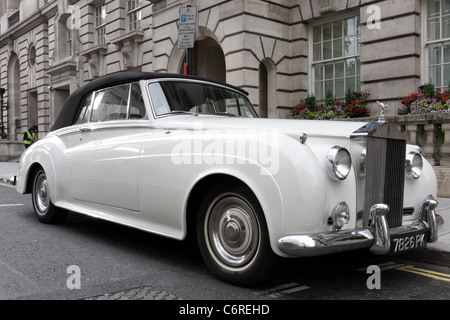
[408, 242]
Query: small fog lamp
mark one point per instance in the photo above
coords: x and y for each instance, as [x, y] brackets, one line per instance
[341, 215]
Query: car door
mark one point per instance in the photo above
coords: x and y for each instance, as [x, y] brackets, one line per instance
[104, 165]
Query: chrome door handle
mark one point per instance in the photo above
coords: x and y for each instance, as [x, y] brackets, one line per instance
[84, 129]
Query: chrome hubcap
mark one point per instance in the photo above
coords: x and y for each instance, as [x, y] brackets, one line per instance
[233, 232]
[42, 195]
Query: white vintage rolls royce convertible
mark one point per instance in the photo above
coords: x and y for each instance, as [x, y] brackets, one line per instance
[181, 155]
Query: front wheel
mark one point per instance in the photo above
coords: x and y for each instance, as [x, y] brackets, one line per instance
[233, 236]
[43, 207]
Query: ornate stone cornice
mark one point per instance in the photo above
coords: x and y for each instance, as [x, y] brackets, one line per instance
[326, 6]
[94, 57]
[128, 44]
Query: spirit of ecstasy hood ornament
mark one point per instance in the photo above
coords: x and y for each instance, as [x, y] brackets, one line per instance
[383, 108]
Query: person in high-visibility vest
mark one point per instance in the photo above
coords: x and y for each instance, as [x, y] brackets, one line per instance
[29, 137]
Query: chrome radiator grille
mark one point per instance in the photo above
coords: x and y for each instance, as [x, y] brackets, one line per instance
[385, 174]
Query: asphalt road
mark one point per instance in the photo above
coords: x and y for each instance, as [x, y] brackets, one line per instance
[86, 258]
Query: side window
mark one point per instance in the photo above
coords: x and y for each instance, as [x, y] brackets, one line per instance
[137, 107]
[159, 101]
[83, 117]
[111, 104]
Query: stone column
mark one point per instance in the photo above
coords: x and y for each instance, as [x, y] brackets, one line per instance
[411, 130]
[445, 148]
[430, 147]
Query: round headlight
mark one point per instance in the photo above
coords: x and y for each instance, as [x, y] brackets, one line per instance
[339, 163]
[414, 165]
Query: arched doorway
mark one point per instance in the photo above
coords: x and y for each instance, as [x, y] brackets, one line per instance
[208, 60]
[13, 92]
[267, 91]
[263, 107]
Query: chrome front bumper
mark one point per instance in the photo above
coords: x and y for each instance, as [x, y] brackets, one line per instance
[376, 236]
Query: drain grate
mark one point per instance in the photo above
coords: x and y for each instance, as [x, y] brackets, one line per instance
[141, 293]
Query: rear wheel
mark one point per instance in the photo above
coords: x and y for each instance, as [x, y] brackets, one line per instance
[43, 207]
[233, 236]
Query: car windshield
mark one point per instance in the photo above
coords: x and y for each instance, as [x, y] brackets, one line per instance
[178, 97]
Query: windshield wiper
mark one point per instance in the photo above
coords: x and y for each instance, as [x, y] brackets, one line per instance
[196, 114]
[225, 114]
[182, 112]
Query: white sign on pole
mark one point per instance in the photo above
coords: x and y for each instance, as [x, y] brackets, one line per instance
[186, 27]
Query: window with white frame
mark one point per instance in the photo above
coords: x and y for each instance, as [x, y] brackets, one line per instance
[100, 22]
[438, 42]
[134, 15]
[336, 57]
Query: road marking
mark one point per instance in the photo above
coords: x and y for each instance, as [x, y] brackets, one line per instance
[426, 273]
[294, 289]
[11, 205]
[410, 268]
[6, 185]
[383, 266]
[394, 266]
[283, 289]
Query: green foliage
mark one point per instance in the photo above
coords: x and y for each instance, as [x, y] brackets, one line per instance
[428, 88]
[329, 99]
[311, 101]
[354, 106]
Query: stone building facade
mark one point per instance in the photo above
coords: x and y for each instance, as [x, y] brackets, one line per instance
[279, 51]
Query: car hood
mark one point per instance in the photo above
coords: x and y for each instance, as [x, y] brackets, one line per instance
[343, 129]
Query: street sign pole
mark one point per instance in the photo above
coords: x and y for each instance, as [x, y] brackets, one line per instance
[189, 61]
[186, 34]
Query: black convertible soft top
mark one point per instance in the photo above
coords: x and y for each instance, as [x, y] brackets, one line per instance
[70, 110]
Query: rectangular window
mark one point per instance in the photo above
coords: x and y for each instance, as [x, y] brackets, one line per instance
[69, 42]
[100, 22]
[134, 15]
[336, 57]
[136, 110]
[110, 104]
[124, 102]
[83, 117]
[438, 42]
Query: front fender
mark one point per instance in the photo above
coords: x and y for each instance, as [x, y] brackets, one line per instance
[264, 187]
[308, 193]
[417, 190]
[32, 158]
